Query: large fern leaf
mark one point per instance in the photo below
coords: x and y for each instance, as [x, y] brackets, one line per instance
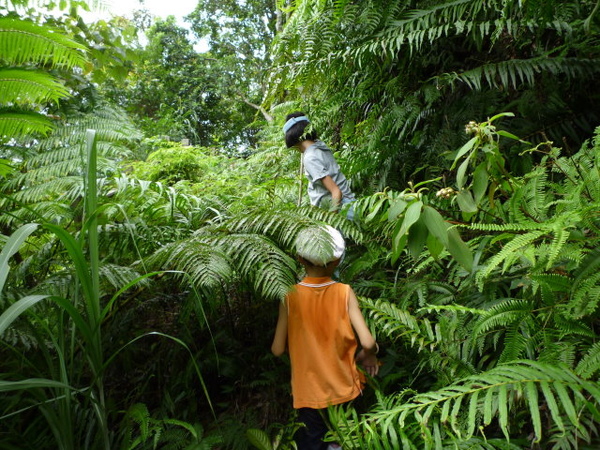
[554, 399]
[26, 87]
[23, 42]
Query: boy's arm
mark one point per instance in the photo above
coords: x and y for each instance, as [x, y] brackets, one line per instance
[334, 190]
[366, 357]
[280, 339]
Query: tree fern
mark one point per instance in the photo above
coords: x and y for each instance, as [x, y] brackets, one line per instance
[23, 43]
[283, 225]
[54, 172]
[263, 264]
[206, 267]
[24, 87]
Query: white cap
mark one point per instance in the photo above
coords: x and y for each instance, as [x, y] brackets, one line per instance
[320, 244]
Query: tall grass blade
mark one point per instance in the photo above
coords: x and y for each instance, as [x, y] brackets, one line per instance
[18, 308]
[91, 204]
[12, 246]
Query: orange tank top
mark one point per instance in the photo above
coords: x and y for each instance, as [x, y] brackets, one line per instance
[322, 344]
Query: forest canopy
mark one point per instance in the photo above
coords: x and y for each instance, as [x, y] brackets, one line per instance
[149, 206]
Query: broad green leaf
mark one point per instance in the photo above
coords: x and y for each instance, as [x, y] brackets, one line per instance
[459, 250]
[417, 236]
[480, 182]
[11, 247]
[466, 202]
[413, 212]
[434, 246]
[463, 150]
[375, 209]
[400, 233]
[17, 308]
[436, 224]
[397, 208]
[460, 174]
[398, 243]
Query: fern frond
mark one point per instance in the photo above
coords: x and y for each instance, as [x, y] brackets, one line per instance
[590, 363]
[284, 225]
[525, 226]
[23, 123]
[561, 235]
[260, 261]
[26, 87]
[23, 42]
[550, 395]
[207, 268]
[50, 211]
[511, 249]
[505, 314]
[585, 297]
[515, 73]
[396, 323]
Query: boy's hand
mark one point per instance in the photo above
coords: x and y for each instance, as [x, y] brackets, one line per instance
[369, 362]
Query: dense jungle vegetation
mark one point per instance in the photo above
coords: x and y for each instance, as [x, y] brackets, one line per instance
[140, 276]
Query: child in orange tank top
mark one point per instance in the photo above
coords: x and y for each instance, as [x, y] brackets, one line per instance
[318, 323]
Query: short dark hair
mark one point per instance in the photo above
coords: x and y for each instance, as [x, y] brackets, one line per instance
[296, 134]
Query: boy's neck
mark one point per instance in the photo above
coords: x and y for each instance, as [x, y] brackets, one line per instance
[304, 145]
[319, 272]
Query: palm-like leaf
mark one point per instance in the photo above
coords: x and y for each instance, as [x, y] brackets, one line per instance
[22, 42]
[23, 123]
[548, 394]
[26, 44]
[25, 87]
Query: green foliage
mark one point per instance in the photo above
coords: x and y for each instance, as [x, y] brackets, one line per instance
[25, 45]
[178, 92]
[174, 163]
[454, 414]
[50, 183]
[414, 224]
[238, 36]
[524, 317]
[391, 83]
[144, 431]
[478, 276]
